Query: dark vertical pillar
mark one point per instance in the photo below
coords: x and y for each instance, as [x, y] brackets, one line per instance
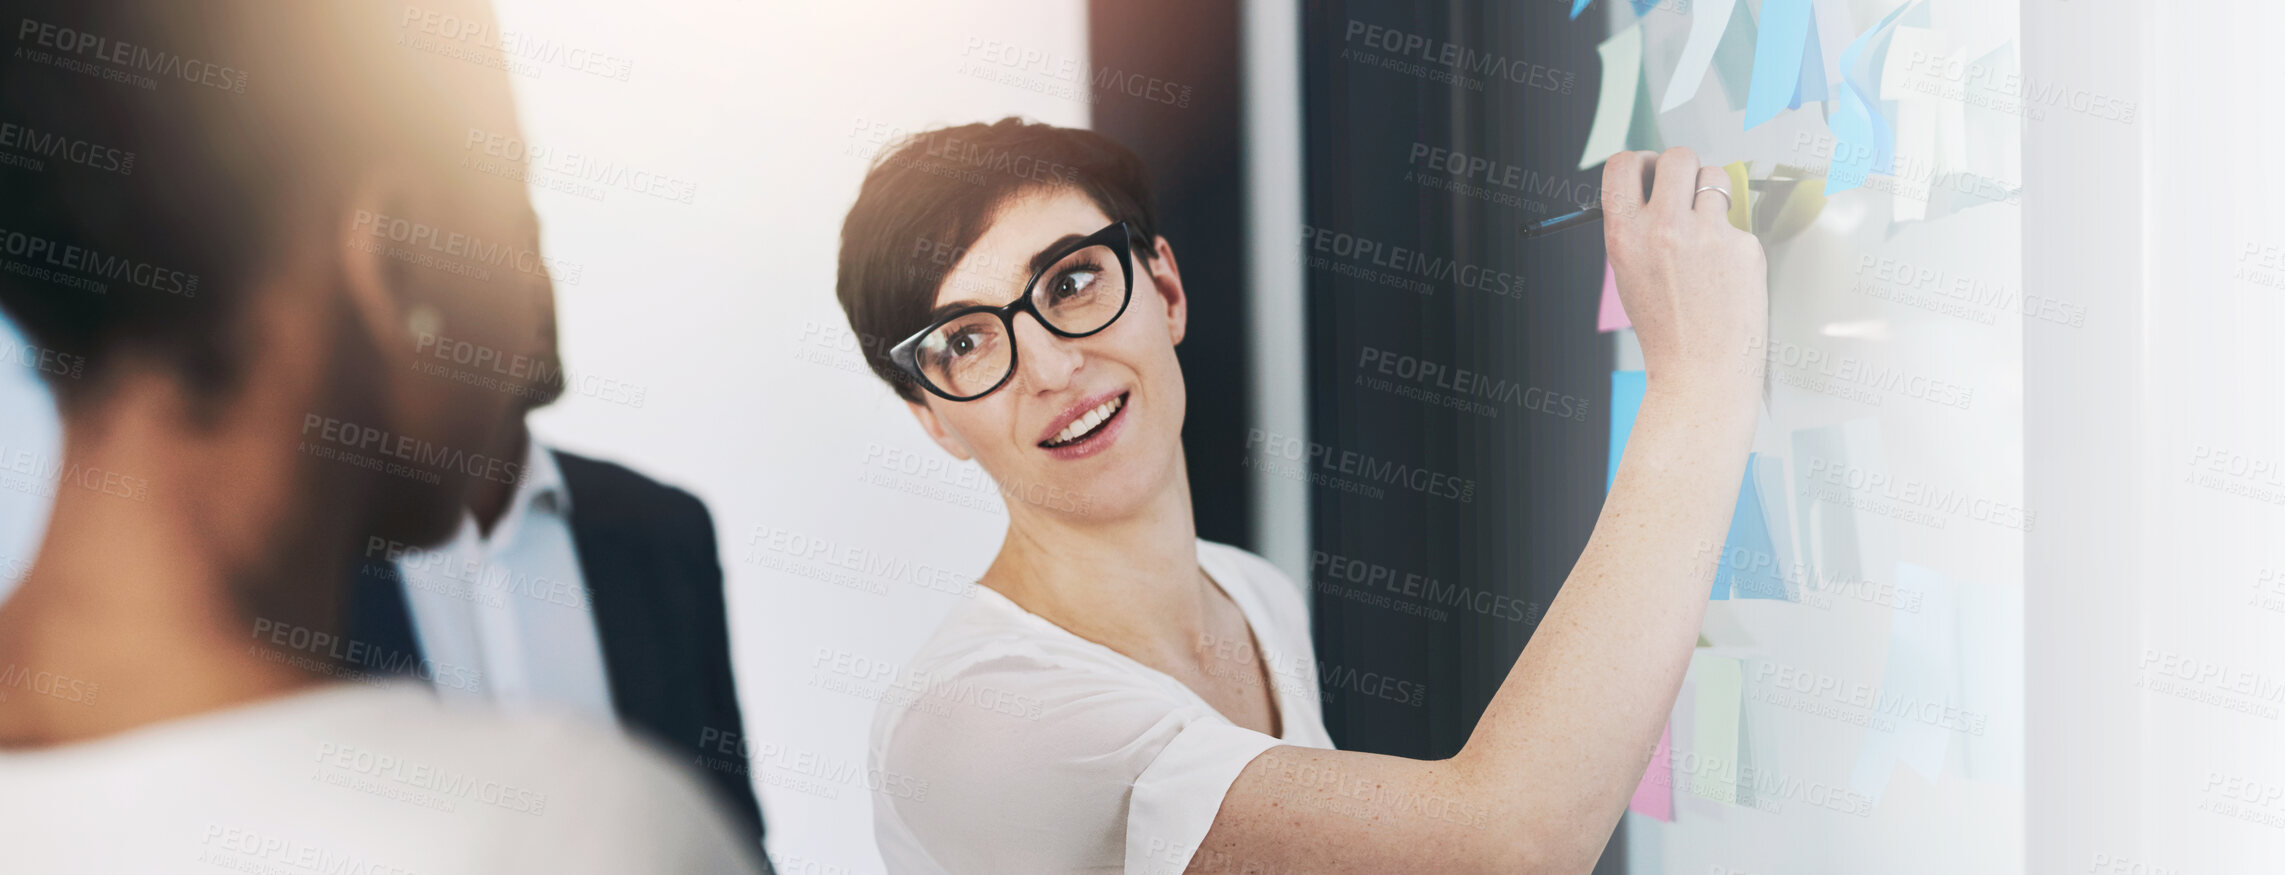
[1459, 387]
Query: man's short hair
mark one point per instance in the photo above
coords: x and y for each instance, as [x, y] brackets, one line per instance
[156, 157]
[931, 195]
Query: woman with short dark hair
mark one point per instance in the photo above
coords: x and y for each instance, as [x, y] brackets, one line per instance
[1124, 696]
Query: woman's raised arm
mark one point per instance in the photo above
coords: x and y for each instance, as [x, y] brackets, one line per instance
[1550, 766]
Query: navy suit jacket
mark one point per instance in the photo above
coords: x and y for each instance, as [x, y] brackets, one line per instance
[654, 582]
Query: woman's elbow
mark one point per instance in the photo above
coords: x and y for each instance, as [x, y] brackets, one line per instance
[1542, 853]
[1516, 829]
[1538, 858]
[1538, 851]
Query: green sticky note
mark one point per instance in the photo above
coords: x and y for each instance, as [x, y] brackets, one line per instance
[1741, 201]
[1733, 56]
[1614, 110]
[1642, 134]
[1721, 685]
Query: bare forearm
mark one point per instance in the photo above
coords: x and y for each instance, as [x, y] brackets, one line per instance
[1565, 740]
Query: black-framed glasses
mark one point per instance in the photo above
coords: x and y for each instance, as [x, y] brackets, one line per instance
[971, 352]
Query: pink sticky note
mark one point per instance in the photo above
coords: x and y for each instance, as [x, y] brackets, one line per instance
[1613, 316]
[1654, 796]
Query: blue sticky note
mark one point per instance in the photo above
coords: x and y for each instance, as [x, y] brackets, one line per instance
[1578, 6]
[1783, 33]
[1862, 140]
[1921, 687]
[1811, 84]
[1750, 568]
[1626, 400]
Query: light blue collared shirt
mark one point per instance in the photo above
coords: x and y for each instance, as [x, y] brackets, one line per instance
[513, 604]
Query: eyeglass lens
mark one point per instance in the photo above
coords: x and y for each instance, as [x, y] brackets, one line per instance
[1081, 293]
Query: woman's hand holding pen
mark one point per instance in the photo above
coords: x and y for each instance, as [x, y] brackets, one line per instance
[1695, 287]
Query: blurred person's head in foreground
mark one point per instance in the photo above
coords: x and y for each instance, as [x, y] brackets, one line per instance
[1008, 281]
[292, 320]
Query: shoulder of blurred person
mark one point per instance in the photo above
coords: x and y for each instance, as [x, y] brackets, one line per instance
[360, 777]
[627, 497]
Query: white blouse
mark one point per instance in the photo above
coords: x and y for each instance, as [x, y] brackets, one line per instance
[1026, 748]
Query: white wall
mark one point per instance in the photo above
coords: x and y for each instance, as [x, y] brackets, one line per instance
[2157, 623]
[722, 310]
[1276, 287]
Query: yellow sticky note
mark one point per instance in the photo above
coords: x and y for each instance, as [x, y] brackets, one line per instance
[1797, 208]
[1741, 198]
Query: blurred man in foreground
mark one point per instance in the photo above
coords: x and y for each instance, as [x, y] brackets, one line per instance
[580, 587]
[248, 290]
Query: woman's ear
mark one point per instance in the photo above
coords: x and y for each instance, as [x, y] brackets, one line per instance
[1166, 276]
[938, 432]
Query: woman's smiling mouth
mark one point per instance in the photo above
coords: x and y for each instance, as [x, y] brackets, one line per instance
[1089, 424]
[1085, 428]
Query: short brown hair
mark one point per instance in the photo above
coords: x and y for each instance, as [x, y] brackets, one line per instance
[938, 190]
